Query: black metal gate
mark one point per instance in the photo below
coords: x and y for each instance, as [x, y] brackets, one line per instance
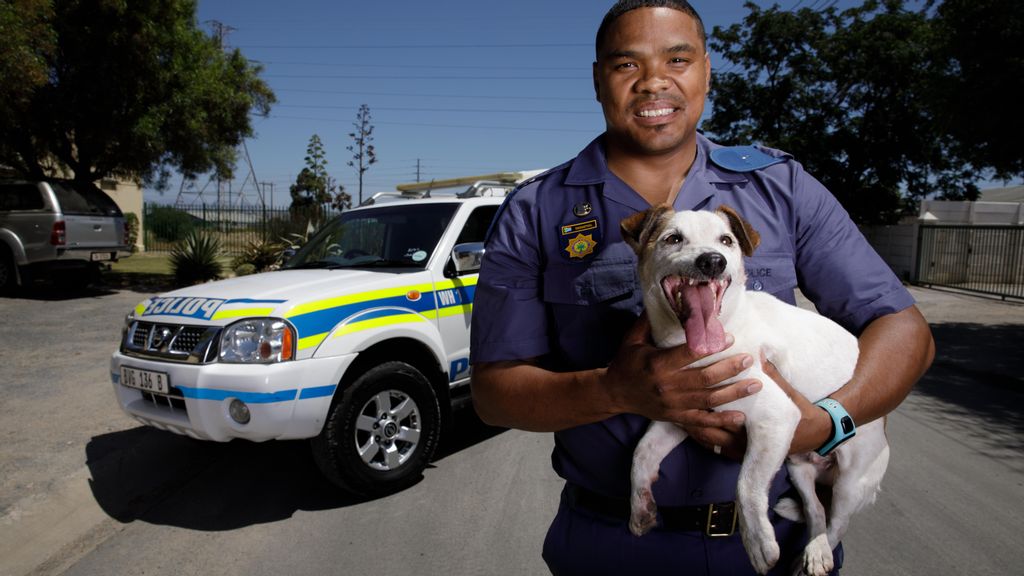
[985, 259]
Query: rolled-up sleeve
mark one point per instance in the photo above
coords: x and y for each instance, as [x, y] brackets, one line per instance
[838, 269]
[509, 319]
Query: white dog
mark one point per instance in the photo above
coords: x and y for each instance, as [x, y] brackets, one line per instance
[691, 272]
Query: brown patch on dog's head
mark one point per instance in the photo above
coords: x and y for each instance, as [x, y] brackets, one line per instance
[745, 234]
[638, 229]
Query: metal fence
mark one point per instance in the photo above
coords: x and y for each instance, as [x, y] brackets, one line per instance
[985, 259]
[164, 226]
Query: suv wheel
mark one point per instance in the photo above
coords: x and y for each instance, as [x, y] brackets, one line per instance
[380, 432]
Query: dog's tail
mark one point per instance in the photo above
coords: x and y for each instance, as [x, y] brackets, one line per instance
[790, 509]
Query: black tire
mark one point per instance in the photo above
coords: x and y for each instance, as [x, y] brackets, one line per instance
[8, 272]
[381, 431]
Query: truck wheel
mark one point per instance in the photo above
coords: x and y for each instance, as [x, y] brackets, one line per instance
[8, 274]
[380, 432]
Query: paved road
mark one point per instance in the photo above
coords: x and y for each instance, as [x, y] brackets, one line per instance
[84, 490]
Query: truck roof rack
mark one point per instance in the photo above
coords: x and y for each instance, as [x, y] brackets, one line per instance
[497, 184]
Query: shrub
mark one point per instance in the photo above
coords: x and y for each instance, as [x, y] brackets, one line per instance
[131, 225]
[169, 223]
[261, 254]
[194, 258]
[244, 269]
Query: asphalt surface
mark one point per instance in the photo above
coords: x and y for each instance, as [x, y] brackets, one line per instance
[86, 490]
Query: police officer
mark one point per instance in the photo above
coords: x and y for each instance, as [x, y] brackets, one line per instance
[557, 344]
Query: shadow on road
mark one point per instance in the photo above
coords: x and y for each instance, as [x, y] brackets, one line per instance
[978, 373]
[162, 478]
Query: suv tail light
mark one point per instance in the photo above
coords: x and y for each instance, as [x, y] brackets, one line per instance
[59, 235]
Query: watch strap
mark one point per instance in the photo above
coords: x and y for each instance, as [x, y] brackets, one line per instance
[843, 427]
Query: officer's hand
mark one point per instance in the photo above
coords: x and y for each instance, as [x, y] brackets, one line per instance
[815, 424]
[655, 383]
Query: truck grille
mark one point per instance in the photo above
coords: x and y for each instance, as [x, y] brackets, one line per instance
[173, 342]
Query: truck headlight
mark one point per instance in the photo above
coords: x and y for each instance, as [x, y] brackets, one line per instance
[257, 341]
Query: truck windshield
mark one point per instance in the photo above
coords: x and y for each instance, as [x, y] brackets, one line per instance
[390, 236]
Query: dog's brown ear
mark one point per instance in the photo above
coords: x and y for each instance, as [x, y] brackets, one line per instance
[637, 228]
[747, 236]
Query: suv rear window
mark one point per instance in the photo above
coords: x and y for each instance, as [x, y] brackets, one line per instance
[21, 196]
[83, 199]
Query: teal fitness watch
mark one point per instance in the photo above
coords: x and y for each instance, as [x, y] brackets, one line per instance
[842, 425]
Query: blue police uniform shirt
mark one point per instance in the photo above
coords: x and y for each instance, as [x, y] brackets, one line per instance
[559, 284]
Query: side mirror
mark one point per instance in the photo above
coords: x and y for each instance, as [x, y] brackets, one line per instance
[286, 255]
[468, 257]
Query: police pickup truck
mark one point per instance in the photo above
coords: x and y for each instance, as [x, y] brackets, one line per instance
[359, 343]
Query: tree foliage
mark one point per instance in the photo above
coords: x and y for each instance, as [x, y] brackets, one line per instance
[121, 88]
[980, 81]
[861, 97]
[363, 153]
[313, 185]
[314, 188]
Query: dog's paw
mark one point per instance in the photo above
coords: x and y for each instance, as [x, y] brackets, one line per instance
[818, 557]
[644, 512]
[763, 552]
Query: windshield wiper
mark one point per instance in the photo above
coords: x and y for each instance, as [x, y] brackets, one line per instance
[313, 264]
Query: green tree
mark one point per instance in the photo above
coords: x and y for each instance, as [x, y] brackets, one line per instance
[885, 105]
[313, 186]
[842, 92]
[129, 89]
[27, 42]
[979, 83]
[363, 153]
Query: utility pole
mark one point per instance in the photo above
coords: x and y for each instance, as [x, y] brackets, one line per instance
[220, 31]
[417, 169]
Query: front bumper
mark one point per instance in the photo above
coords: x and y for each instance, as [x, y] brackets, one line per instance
[286, 401]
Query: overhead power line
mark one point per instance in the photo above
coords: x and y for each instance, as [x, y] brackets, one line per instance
[423, 95]
[418, 125]
[413, 46]
[459, 110]
[406, 77]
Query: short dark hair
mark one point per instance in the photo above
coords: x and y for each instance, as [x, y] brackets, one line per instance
[623, 6]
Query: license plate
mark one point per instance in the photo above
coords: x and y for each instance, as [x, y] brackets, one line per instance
[100, 256]
[145, 380]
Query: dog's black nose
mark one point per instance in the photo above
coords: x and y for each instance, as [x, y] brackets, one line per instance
[711, 263]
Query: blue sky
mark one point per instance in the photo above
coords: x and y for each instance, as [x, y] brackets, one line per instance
[455, 88]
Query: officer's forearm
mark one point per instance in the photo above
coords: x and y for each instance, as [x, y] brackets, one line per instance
[521, 395]
[895, 351]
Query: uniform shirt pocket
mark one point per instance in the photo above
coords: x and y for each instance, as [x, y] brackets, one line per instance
[590, 308]
[772, 272]
[603, 280]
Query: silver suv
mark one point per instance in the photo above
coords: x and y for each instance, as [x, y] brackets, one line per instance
[56, 225]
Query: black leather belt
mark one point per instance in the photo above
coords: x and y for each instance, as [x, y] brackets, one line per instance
[714, 520]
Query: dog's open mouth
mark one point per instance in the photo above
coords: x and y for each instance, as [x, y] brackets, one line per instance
[698, 303]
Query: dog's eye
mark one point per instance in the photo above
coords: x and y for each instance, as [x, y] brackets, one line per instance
[673, 238]
[727, 240]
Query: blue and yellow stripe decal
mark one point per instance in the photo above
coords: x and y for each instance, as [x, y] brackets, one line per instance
[216, 394]
[379, 308]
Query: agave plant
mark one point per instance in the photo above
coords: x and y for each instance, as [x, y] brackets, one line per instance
[263, 255]
[194, 258]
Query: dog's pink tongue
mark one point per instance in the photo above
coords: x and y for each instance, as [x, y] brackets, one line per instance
[704, 333]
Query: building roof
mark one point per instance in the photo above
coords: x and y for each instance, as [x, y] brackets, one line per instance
[1009, 194]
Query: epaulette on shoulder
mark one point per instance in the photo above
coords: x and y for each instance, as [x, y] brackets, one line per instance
[744, 158]
[540, 176]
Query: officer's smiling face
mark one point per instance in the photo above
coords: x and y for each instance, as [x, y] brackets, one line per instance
[651, 79]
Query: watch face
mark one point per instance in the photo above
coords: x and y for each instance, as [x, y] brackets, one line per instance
[847, 424]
